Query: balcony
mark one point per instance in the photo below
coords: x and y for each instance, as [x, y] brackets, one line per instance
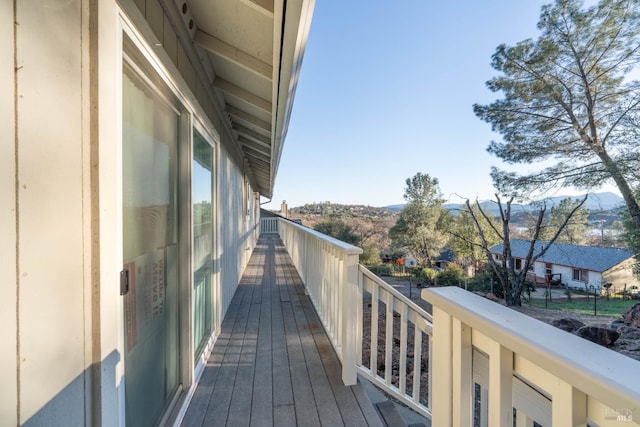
[298, 342]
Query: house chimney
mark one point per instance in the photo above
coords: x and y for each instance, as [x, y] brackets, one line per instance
[284, 210]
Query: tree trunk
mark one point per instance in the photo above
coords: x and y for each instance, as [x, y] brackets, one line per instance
[623, 186]
[514, 298]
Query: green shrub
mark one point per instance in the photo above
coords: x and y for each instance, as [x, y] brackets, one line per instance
[425, 276]
[381, 269]
[482, 282]
[453, 275]
[370, 256]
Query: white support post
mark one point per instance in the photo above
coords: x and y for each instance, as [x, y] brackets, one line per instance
[522, 420]
[500, 385]
[305, 261]
[442, 375]
[568, 406]
[350, 298]
[462, 375]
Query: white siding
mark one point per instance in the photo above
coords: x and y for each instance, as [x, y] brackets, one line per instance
[61, 250]
[236, 234]
[53, 228]
[8, 287]
[594, 278]
[539, 269]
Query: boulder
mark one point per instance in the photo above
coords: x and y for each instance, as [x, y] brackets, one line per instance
[628, 345]
[631, 315]
[617, 325]
[567, 324]
[630, 333]
[491, 296]
[603, 336]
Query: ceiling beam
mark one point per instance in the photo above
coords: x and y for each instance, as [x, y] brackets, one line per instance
[259, 168]
[233, 54]
[242, 94]
[265, 5]
[255, 165]
[253, 135]
[249, 145]
[248, 118]
[247, 141]
[247, 149]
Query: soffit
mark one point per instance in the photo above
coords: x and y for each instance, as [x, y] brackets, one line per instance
[252, 51]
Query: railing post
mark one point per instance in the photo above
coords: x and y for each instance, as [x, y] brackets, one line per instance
[349, 319]
[442, 376]
[569, 405]
[500, 385]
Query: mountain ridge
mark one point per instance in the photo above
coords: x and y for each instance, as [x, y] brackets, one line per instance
[596, 202]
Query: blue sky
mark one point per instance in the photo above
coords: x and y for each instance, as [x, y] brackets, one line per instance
[386, 91]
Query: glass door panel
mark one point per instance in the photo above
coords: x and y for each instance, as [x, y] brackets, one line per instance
[150, 223]
[202, 213]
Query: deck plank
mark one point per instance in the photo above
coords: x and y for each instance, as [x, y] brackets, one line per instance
[318, 378]
[273, 364]
[218, 409]
[262, 402]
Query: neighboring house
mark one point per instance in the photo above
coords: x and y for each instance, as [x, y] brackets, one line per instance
[441, 262]
[575, 266]
[446, 257]
[410, 261]
[137, 138]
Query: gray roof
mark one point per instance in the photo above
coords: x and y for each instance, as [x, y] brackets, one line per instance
[593, 258]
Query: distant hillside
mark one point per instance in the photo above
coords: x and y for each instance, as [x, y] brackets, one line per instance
[597, 202]
[326, 208]
[603, 206]
[395, 208]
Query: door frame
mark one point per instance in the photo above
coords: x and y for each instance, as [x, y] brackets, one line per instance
[132, 24]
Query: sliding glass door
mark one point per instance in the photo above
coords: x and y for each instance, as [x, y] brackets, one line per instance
[202, 214]
[150, 237]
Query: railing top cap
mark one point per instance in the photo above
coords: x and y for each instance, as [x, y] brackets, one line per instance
[563, 354]
[345, 247]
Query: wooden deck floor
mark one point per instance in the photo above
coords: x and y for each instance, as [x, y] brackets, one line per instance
[273, 364]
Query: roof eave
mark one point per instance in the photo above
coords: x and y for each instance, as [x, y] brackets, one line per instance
[295, 24]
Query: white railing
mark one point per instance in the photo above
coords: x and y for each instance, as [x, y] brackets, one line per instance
[268, 225]
[492, 360]
[489, 360]
[351, 302]
[329, 270]
[406, 331]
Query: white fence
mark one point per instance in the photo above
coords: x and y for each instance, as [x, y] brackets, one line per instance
[329, 271]
[406, 332]
[269, 225]
[492, 361]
